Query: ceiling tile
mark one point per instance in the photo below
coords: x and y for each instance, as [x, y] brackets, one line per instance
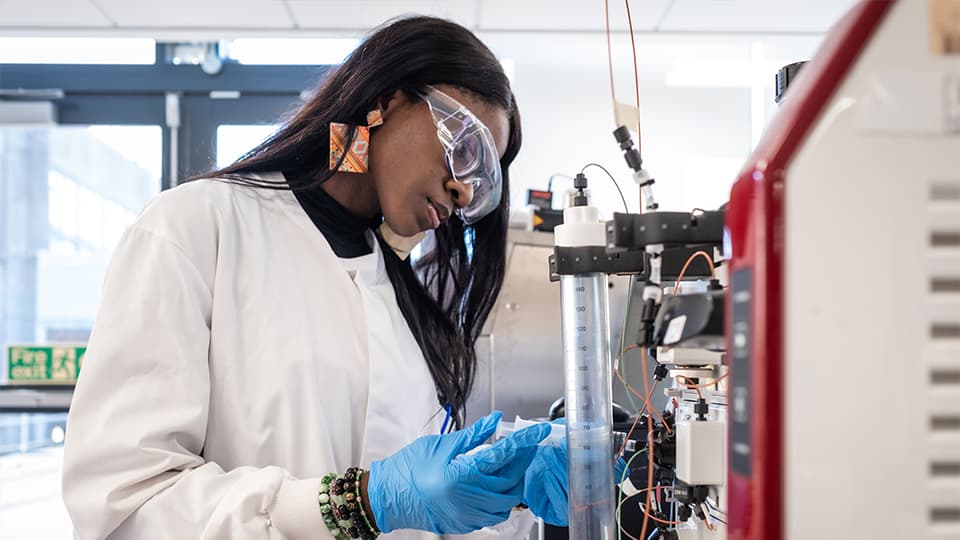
[774, 16]
[569, 15]
[366, 14]
[204, 14]
[69, 13]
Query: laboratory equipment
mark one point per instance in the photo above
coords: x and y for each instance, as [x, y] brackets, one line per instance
[653, 247]
[845, 271]
[588, 381]
[519, 363]
[773, 428]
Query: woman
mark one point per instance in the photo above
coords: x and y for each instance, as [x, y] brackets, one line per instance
[267, 363]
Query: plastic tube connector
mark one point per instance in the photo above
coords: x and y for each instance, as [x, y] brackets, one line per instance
[557, 431]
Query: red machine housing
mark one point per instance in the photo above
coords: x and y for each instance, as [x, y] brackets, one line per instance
[755, 314]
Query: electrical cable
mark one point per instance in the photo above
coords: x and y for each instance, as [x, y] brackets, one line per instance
[689, 385]
[647, 404]
[646, 399]
[673, 506]
[612, 179]
[623, 447]
[706, 384]
[706, 516]
[623, 478]
[704, 254]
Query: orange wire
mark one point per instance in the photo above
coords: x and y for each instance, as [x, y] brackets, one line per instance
[713, 271]
[708, 383]
[706, 516]
[689, 386]
[665, 522]
[639, 491]
[636, 74]
[646, 400]
[623, 448]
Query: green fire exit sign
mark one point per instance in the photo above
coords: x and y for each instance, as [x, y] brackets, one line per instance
[44, 364]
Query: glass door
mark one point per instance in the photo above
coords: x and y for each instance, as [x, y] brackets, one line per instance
[67, 193]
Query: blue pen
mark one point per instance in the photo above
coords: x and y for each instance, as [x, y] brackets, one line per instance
[446, 418]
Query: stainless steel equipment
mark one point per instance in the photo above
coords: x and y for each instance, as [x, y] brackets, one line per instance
[520, 354]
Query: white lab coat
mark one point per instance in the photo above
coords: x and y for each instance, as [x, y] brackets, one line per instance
[235, 360]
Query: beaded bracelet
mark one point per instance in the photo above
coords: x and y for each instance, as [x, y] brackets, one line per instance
[326, 508]
[342, 506]
[366, 519]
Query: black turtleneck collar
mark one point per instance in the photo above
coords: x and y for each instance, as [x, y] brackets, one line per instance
[344, 231]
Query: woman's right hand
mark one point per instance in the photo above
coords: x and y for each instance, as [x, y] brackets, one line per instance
[433, 485]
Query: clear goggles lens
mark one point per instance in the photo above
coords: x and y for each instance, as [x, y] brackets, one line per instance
[471, 154]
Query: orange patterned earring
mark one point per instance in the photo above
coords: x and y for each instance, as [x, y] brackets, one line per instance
[356, 159]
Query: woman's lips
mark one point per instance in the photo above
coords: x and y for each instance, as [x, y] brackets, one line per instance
[434, 215]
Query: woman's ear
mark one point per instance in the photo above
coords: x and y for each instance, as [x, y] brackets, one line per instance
[391, 102]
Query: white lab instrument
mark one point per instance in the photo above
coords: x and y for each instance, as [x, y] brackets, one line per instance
[588, 385]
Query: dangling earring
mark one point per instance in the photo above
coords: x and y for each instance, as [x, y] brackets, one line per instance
[356, 159]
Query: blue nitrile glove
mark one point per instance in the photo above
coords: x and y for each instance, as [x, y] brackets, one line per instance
[618, 467]
[545, 484]
[432, 485]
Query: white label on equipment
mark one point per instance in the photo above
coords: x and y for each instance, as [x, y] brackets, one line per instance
[675, 330]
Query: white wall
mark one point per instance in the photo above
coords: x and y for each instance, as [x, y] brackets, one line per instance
[695, 138]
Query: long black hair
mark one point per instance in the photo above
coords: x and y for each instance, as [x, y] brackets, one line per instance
[447, 305]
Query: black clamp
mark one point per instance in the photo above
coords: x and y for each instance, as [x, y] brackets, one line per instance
[688, 494]
[567, 261]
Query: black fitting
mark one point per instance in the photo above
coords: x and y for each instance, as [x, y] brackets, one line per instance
[647, 317]
[701, 409]
[660, 372]
[715, 285]
[668, 420]
[688, 494]
[634, 161]
[630, 154]
[649, 313]
[580, 183]
[683, 513]
[664, 476]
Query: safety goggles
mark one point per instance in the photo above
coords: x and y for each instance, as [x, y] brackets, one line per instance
[471, 154]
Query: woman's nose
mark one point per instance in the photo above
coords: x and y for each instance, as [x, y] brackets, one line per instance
[462, 193]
